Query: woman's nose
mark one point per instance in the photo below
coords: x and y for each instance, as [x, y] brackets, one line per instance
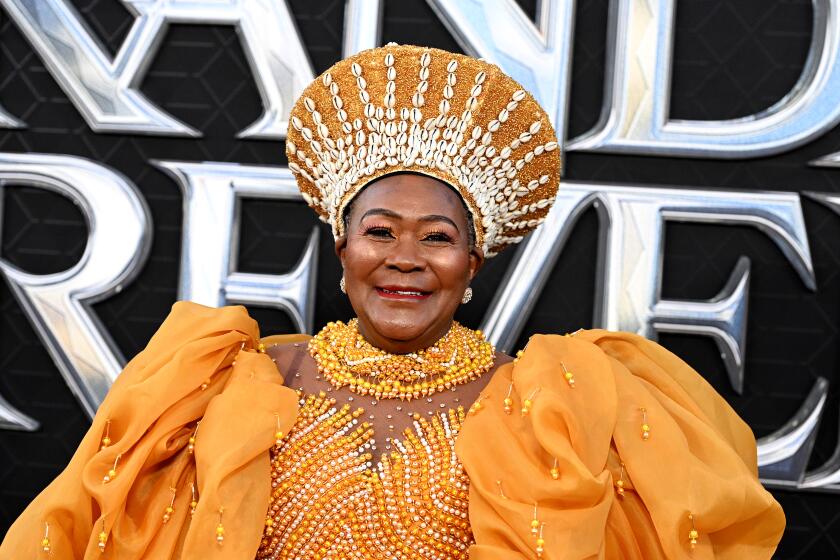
[406, 256]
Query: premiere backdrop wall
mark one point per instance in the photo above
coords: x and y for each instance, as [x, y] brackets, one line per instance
[778, 309]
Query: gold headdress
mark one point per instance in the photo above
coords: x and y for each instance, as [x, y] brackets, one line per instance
[449, 116]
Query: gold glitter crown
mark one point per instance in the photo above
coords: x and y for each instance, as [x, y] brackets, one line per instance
[414, 109]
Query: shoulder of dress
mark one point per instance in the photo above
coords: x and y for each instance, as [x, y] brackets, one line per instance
[280, 339]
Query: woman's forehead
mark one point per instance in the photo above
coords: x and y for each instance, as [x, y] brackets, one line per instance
[409, 194]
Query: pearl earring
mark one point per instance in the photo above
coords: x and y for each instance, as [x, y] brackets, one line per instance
[341, 286]
[467, 295]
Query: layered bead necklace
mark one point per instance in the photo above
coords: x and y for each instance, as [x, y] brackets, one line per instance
[346, 359]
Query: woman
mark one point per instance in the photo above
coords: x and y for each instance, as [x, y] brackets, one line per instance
[403, 434]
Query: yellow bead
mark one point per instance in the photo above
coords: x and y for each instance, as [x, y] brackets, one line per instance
[540, 542]
[106, 441]
[535, 524]
[555, 473]
[645, 428]
[569, 375]
[693, 534]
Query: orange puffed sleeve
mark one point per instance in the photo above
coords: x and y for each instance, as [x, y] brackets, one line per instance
[575, 427]
[200, 376]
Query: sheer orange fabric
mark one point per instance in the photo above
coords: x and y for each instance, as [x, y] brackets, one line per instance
[203, 364]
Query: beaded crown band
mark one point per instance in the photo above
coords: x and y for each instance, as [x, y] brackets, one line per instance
[414, 109]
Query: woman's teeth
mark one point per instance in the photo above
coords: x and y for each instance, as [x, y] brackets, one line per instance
[402, 292]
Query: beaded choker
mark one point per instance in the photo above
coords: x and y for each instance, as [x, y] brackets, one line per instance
[346, 359]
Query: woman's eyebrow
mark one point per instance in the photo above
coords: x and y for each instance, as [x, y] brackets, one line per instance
[391, 214]
[381, 212]
[439, 218]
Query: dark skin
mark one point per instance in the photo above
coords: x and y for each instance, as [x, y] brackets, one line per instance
[407, 260]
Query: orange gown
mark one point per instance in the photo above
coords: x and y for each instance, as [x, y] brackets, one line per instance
[695, 470]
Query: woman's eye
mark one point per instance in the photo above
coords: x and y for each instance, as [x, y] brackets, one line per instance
[378, 231]
[439, 237]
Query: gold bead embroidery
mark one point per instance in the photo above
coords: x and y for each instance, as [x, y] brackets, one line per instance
[170, 509]
[330, 501]
[540, 542]
[501, 490]
[194, 502]
[508, 402]
[220, 529]
[476, 406]
[555, 470]
[191, 441]
[106, 439]
[529, 402]
[693, 535]
[645, 425]
[45, 542]
[103, 538]
[535, 523]
[278, 435]
[568, 376]
[346, 359]
[619, 484]
[112, 473]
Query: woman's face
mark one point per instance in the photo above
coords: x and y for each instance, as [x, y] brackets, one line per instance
[407, 260]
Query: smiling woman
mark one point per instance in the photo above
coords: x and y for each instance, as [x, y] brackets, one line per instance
[403, 434]
[407, 260]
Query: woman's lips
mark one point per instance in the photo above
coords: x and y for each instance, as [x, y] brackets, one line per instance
[394, 292]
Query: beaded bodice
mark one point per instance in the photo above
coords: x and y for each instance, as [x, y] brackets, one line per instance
[329, 501]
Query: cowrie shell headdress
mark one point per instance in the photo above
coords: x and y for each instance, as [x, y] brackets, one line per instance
[421, 110]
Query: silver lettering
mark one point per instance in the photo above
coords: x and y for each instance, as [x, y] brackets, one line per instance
[210, 237]
[636, 119]
[58, 304]
[630, 261]
[538, 57]
[106, 90]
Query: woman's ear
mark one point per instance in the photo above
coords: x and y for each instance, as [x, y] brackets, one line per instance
[476, 260]
[340, 246]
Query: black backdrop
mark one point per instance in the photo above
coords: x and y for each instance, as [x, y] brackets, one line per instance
[732, 58]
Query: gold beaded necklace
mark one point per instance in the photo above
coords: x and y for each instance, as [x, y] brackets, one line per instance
[346, 359]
